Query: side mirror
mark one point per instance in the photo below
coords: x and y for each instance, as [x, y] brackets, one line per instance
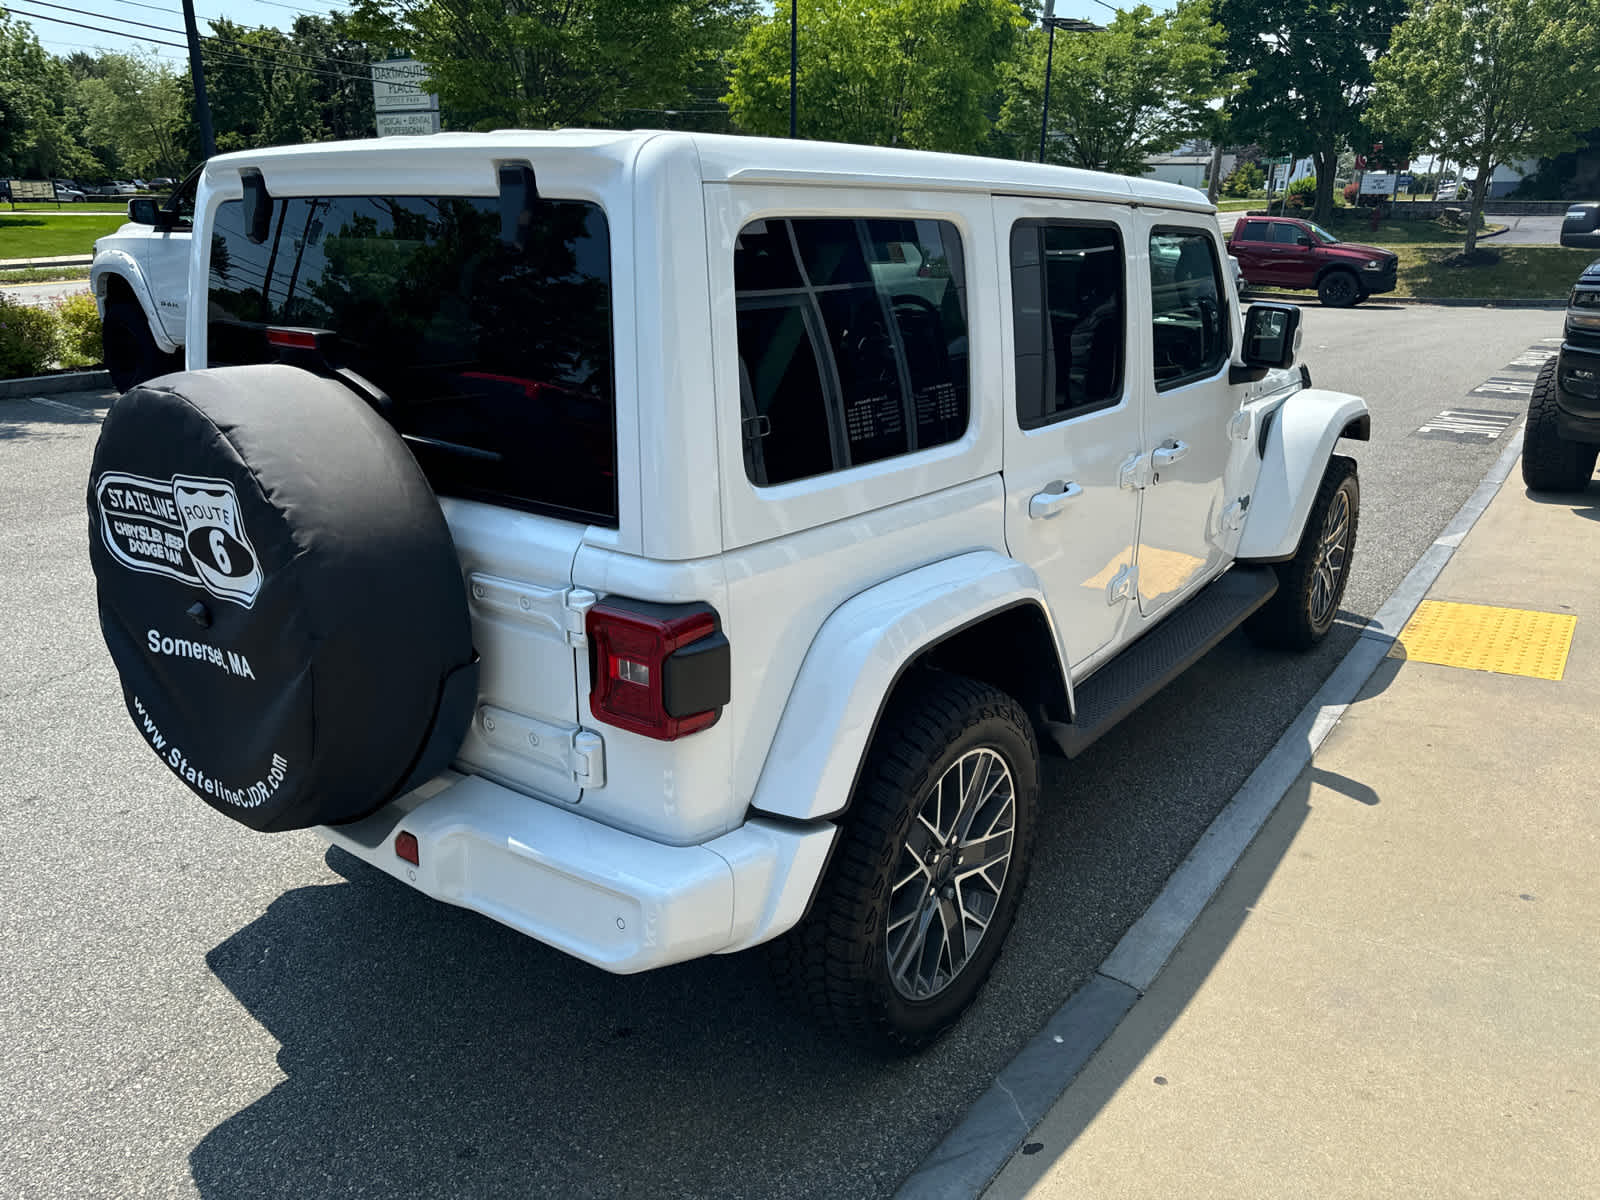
[143, 211]
[1271, 336]
[1304, 239]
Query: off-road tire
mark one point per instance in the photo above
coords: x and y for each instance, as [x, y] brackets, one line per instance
[1551, 463]
[130, 350]
[1291, 620]
[1339, 289]
[835, 962]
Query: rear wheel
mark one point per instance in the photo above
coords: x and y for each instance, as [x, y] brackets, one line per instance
[929, 869]
[1551, 463]
[1311, 584]
[131, 353]
[1339, 289]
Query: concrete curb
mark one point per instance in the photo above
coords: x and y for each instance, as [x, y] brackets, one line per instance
[64, 260]
[50, 385]
[969, 1157]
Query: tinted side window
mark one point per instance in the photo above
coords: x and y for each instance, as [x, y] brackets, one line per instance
[1285, 235]
[1068, 318]
[1191, 335]
[852, 342]
[1251, 231]
[491, 334]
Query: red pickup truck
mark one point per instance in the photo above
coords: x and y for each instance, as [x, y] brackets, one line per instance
[1286, 252]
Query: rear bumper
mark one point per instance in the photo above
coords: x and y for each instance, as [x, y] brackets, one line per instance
[616, 900]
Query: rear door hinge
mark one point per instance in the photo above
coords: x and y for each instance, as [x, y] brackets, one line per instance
[1239, 426]
[1233, 515]
[588, 759]
[576, 604]
[1135, 472]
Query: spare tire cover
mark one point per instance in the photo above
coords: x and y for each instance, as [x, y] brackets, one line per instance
[280, 594]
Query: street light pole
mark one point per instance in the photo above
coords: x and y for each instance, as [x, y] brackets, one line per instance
[1052, 23]
[794, 58]
[1049, 61]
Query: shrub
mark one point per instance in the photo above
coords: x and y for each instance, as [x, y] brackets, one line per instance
[1302, 192]
[80, 331]
[1352, 192]
[1244, 179]
[27, 339]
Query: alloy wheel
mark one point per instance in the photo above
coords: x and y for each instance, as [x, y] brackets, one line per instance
[950, 873]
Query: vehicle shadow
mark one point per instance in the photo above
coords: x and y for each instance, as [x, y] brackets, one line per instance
[1129, 1046]
[422, 1055]
[1584, 504]
[51, 417]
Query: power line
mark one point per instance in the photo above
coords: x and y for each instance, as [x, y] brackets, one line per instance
[261, 56]
[280, 50]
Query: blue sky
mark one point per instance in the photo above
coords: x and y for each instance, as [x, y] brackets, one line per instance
[166, 14]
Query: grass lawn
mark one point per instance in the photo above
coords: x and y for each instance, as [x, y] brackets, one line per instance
[41, 235]
[1239, 205]
[1523, 273]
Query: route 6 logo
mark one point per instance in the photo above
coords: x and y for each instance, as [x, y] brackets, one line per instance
[215, 538]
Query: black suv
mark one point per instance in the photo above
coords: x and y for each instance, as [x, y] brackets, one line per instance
[1563, 437]
[1581, 225]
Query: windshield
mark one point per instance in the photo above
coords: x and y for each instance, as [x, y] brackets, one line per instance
[492, 338]
[1321, 234]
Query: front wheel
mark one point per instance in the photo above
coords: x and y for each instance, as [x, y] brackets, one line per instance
[929, 869]
[1339, 289]
[131, 353]
[1311, 584]
[1551, 463]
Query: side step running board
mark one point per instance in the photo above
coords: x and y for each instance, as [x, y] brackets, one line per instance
[1161, 655]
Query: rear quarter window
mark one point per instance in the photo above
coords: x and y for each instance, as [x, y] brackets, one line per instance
[491, 332]
[852, 342]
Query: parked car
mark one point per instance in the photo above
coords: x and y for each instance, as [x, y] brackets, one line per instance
[1581, 226]
[1287, 252]
[124, 187]
[1562, 440]
[66, 190]
[140, 281]
[163, 182]
[695, 542]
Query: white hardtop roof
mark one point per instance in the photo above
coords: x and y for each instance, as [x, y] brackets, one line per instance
[732, 159]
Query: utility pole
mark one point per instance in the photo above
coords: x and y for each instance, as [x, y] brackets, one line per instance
[197, 73]
[794, 58]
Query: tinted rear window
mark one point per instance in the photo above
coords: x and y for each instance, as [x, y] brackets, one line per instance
[492, 337]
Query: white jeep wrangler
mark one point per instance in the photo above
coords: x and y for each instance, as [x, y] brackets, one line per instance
[140, 281]
[666, 544]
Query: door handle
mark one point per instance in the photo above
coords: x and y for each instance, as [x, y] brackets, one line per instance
[1045, 505]
[1165, 456]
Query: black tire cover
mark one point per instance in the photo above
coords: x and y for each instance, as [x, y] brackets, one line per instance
[280, 594]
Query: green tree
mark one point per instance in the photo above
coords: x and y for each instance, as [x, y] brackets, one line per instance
[1309, 64]
[1244, 179]
[1493, 81]
[553, 63]
[136, 108]
[1146, 85]
[40, 126]
[916, 73]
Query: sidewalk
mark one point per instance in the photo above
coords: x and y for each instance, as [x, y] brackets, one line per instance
[1397, 991]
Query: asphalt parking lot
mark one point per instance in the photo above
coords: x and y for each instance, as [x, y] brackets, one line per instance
[191, 1008]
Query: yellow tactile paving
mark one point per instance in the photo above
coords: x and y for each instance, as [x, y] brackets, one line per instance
[1480, 637]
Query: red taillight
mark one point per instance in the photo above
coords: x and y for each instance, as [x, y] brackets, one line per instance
[405, 845]
[657, 670]
[293, 339]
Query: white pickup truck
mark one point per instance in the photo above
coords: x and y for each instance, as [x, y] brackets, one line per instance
[667, 544]
[140, 280]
